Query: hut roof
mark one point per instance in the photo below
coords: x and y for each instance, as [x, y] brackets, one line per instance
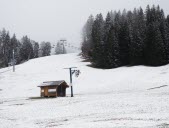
[52, 83]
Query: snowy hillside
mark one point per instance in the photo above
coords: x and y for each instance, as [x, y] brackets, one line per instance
[115, 98]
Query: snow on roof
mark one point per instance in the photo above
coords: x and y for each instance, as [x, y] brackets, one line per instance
[51, 83]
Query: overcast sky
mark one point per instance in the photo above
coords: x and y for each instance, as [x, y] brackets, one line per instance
[50, 20]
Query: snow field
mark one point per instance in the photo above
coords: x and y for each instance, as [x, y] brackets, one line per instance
[115, 98]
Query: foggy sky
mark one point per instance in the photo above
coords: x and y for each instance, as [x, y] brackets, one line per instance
[50, 20]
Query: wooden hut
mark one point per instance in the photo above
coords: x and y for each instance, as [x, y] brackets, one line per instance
[53, 89]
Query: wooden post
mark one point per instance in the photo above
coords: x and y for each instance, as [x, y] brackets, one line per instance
[41, 91]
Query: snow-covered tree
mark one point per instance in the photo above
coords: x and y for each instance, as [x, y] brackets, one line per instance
[26, 51]
[137, 37]
[87, 37]
[60, 49]
[97, 52]
[45, 48]
[16, 47]
[35, 49]
[5, 47]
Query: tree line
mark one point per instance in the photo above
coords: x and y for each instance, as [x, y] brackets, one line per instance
[23, 49]
[135, 37]
[60, 48]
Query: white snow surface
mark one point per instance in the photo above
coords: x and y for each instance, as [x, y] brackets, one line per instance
[114, 98]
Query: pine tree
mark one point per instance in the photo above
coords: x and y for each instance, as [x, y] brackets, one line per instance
[45, 48]
[155, 48]
[107, 25]
[113, 51]
[14, 42]
[97, 53]
[26, 51]
[137, 38]
[167, 19]
[16, 47]
[167, 27]
[7, 49]
[123, 38]
[164, 31]
[1, 52]
[107, 45]
[35, 49]
[59, 49]
[157, 19]
[3, 62]
[87, 39]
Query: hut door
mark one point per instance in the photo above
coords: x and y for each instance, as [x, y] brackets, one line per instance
[60, 91]
[46, 91]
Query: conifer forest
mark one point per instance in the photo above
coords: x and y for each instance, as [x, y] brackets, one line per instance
[127, 38]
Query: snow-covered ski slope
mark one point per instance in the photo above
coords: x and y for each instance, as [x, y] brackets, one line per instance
[115, 98]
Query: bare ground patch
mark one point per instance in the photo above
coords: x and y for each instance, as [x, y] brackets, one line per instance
[158, 87]
[51, 123]
[164, 125]
[126, 119]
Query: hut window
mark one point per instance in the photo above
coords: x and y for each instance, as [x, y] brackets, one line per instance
[42, 90]
[51, 90]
